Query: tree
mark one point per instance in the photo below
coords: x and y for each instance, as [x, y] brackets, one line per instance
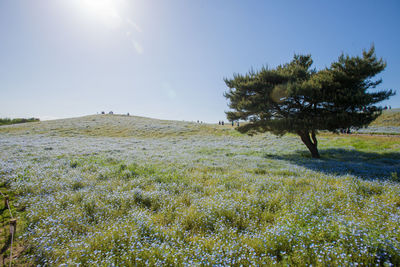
[295, 98]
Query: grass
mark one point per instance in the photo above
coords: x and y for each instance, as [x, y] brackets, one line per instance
[180, 193]
[361, 142]
[6, 211]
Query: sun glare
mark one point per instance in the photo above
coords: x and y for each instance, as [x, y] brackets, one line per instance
[105, 10]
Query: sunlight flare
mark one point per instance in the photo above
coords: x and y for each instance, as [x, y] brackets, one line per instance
[105, 10]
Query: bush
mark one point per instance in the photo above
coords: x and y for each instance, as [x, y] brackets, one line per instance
[7, 121]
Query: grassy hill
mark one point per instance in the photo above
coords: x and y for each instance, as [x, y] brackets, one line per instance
[390, 117]
[118, 190]
[116, 126]
[134, 126]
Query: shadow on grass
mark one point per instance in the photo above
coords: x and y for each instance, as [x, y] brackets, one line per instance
[366, 165]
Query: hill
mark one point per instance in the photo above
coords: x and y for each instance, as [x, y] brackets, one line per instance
[390, 117]
[387, 123]
[134, 126]
[116, 126]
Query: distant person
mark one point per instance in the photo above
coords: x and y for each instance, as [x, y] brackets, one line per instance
[233, 123]
[238, 124]
[127, 114]
[222, 123]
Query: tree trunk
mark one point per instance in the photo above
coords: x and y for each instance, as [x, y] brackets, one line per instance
[311, 145]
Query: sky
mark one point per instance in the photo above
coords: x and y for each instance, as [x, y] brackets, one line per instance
[168, 59]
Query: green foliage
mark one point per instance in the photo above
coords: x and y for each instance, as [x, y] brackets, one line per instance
[73, 164]
[7, 121]
[395, 177]
[294, 98]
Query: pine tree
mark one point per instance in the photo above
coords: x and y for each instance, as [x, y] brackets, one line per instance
[295, 98]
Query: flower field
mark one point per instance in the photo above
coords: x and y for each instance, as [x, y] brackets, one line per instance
[118, 191]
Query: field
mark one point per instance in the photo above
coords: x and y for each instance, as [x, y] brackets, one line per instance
[109, 190]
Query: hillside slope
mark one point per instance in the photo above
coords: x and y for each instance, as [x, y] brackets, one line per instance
[117, 126]
[389, 117]
[134, 126]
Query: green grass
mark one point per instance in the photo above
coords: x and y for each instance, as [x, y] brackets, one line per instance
[18, 212]
[360, 142]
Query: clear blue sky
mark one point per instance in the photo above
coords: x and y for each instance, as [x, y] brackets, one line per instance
[167, 59]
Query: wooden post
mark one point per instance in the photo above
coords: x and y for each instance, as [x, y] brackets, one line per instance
[13, 226]
[6, 202]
